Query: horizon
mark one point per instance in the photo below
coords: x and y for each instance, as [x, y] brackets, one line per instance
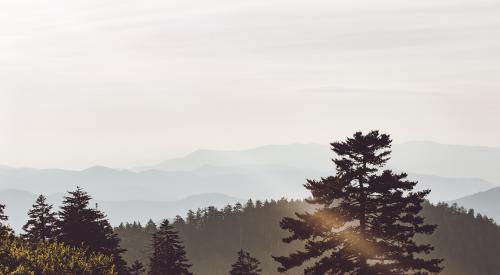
[159, 161]
[249, 137]
[123, 85]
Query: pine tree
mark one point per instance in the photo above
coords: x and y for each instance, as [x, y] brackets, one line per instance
[245, 265]
[5, 230]
[249, 205]
[238, 208]
[169, 257]
[150, 227]
[190, 217]
[366, 219]
[137, 268]
[41, 225]
[179, 221]
[82, 226]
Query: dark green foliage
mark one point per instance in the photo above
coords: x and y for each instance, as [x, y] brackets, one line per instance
[168, 257]
[245, 265]
[137, 268]
[5, 231]
[41, 225]
[82, 226]
[3, 217]
[213, 238]
[366, 220]
[470, 244]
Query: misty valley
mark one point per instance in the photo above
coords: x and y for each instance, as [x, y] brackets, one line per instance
[216, 233]
[249, 137]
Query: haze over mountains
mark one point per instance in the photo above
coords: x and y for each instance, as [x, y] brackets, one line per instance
[486, 203]
[266, 172]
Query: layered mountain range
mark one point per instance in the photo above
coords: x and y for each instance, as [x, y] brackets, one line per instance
[463, 174]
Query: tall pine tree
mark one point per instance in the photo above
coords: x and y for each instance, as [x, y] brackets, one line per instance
[41, 225]
[169, 256]
[366, 218]
[245, 265]
[82, 226]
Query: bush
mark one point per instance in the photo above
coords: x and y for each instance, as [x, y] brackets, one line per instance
[19, 257]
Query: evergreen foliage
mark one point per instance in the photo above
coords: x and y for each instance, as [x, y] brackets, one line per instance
[469, 242]
[168, 257]
[245, 265]
[366, 219]
[212, 236]
[41, 225]
[82, 226]
[5, 231]
[137, 268]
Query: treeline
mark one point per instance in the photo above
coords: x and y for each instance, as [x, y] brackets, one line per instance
[469, 242]
[220, 233]
[78, 239]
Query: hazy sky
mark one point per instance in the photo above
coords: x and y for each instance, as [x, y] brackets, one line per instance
[125, 83]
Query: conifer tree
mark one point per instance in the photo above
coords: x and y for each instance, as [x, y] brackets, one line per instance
[168, 257]
[150, 226]
[366, 219]
[190, 217]
[249, 204]
[82, 226]
[237, 207]
[41, 225]
[179, 221]
[245, 265]
[5, 230]
[137, 268]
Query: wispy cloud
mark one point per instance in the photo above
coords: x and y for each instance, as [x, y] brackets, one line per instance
[342, 90]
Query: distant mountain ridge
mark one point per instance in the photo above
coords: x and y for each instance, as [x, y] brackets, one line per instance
[485, 202]
[459, 161]
[422, 157]
[305, 156]
[266, 172]
[270, 171]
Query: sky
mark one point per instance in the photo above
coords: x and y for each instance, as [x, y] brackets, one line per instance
[128, 83]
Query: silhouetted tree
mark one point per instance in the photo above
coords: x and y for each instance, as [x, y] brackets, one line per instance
[179, 221]
[4, 229]
[366, 220]
[190, 218]
[82, 226]
[150, 226]
[245, 265]
[137, 268]
[168, 255]
[237, 207]
[41, 224]
[470, 244]
[249, 204]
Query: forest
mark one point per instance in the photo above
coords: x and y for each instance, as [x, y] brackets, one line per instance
[468, 242]
[362, 220]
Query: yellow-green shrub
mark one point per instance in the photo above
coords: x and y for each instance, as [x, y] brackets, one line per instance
[18, 257]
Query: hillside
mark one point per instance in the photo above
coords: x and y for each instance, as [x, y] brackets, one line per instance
[470, 244]
[486, 202]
